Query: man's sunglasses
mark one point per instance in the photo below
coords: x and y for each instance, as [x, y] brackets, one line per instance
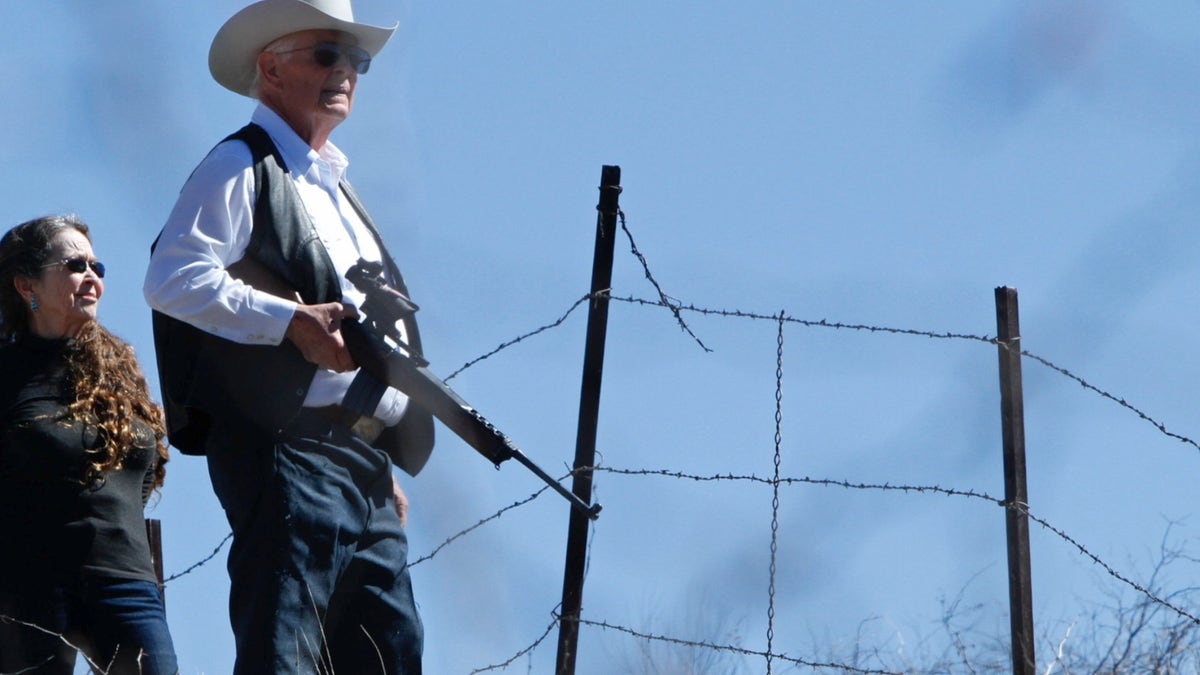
[79, 265]
[327, 54]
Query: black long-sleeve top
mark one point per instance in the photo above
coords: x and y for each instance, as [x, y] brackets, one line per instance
[53, 524]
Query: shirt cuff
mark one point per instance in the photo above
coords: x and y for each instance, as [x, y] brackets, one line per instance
[391, 407]
[278, 313]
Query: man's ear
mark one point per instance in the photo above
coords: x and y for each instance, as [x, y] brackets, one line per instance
[268, 68]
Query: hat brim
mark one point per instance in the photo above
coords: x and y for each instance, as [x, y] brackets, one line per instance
[233, 56]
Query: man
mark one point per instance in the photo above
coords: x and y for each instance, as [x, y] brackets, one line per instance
[247, 282]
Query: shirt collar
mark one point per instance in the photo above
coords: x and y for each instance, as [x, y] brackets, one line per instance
[300, 158]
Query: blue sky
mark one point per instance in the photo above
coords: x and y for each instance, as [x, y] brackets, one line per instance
[865, 162]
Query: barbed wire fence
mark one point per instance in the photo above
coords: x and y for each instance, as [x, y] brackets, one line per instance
[777, 480]
[770, 655]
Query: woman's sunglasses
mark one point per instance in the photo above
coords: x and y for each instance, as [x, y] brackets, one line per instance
[79, 265]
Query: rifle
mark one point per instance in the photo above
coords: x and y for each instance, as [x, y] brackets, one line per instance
[404, 369]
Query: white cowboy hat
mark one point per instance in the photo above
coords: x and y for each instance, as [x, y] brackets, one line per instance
[234, 52]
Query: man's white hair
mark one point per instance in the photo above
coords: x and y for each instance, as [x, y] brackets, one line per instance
[283, 44]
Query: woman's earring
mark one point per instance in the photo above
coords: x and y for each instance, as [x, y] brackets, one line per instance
[33, 303]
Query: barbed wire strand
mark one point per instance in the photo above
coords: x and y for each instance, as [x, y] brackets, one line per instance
[665, 300]
[827, 482]
[1112, 397]
[775, 492]
[522, 652]
[822, 323]
[814, 323]
[734, 649]
[505, 345]
[477, 525]
[204, 561]
[697, 644]
[418, 561]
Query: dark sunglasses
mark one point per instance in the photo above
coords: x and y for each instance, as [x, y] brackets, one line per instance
[327, 54]
[79, 265]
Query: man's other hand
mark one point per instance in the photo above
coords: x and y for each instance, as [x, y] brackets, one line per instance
[316, 331]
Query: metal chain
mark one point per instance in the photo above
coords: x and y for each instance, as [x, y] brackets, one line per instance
[775, 490]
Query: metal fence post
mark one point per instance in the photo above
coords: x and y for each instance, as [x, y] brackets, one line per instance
[1016, 495]
[154, 537]
[589, 410]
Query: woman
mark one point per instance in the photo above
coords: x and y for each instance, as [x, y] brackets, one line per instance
[81, 450]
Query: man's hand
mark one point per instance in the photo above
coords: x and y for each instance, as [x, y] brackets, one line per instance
[316, 330]
[401, 502]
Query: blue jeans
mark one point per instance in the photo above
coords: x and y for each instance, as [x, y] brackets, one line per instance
[318, 569]
[120, 625]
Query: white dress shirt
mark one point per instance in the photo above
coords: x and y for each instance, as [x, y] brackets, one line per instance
[209, 229]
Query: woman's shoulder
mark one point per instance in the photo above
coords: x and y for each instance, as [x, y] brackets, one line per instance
[26, 363]
[14, 356]
[31, 352]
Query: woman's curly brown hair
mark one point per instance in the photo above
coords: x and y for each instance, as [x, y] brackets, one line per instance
[110, 389]
[110, 394]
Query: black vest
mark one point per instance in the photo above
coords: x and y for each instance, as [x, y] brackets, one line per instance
[219, 391]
